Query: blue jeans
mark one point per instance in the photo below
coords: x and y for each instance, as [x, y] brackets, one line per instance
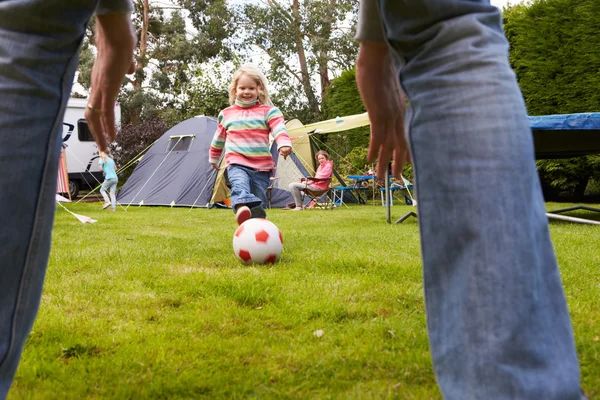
[111, 185]
[497, 318]
[38, 56]
[248, 186]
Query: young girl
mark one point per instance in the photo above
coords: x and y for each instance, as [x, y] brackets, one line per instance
[107, 165]
[243, 131]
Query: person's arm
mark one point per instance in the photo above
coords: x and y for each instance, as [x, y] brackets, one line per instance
[377, 82]
[276, 124]
[218, 142]
[115, 41]
[379, 88]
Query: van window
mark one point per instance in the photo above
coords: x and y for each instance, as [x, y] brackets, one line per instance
[83, 131]
[180, 143]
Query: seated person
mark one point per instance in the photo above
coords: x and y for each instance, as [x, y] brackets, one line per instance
[319, 182]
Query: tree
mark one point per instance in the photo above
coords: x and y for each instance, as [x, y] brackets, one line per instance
[342, 98]
[305, 42]
[555, 52]
[133, 139]
[168, 54]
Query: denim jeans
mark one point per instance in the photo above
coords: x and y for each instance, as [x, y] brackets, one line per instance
[497, 318]
[248, 186]
[39, 43]
[111, 185]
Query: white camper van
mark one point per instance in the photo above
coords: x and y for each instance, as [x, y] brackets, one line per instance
[80, 149]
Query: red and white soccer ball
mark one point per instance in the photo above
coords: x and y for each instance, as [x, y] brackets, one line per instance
[257, 241]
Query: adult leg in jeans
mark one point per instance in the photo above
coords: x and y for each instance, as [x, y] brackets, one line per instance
[38, 56]
[497, 317]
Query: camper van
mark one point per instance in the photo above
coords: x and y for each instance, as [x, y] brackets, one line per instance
[80, 148]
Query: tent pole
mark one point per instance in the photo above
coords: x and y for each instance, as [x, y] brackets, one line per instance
[387, 196]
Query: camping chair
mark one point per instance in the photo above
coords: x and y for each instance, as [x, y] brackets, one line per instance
[395, 187]
[321, 198]
[270, 190]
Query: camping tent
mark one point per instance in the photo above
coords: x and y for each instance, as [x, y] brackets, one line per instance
[302, 162]
[175, 170]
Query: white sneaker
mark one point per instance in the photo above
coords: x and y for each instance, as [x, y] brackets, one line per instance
[105, 205]
[297, 209]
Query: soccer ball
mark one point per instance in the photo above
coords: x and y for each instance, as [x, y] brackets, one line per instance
[257, 241]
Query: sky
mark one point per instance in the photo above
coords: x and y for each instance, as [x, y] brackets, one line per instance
[502, 3]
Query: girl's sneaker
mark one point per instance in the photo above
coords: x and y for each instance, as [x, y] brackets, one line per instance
[105, 205]
[242, 215]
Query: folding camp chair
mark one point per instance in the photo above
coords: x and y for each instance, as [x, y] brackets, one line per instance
[270, 190]
[394, 187]
[322, 198]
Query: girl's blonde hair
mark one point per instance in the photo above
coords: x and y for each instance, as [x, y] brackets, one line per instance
[105, 154]
[254, 74]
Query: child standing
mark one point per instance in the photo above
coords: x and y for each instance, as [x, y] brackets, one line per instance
[243, 131]
[107, 165]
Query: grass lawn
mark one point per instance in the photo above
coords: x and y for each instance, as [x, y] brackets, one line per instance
[152, 303]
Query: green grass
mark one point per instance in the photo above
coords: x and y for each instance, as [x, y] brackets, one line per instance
[152, 303]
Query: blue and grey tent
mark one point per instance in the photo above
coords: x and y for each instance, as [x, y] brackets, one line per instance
[175, 171]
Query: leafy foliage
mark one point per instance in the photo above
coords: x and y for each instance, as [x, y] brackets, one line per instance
[305, 41]
[132, 139]
[569, 176]
[354, 162]
[168, 55]
[555, 52]
[342, 96]
[208, 93]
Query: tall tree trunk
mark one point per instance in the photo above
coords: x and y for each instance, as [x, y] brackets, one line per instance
[134, 113]
[308, 90]
[323, 56]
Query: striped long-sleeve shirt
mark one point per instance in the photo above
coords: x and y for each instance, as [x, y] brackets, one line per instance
[243, 131]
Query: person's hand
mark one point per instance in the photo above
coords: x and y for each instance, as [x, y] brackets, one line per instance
[285, 151]
[377, 82]
[215, 166]
[115, 40]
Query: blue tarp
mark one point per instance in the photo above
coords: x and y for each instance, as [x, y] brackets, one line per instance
[583, 121]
